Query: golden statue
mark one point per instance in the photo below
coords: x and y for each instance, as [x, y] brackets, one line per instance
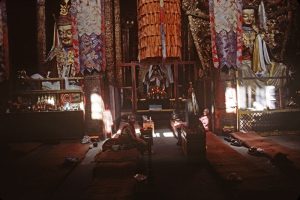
[258, 70]
[256, 60]
[62, 49]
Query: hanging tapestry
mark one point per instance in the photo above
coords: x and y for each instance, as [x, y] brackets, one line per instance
[4, 65]
[226, 23]
[159, 29]
[89, 35]
[1, 41]
[75, 40]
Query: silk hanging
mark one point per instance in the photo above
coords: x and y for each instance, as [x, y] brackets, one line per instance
[159, 29]
[226, 23]
[88, 33]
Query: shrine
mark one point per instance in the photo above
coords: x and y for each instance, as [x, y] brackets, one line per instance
[142, 59]
[149, 99]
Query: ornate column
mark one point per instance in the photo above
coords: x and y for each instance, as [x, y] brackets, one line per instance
[41, 33]
[109, 40]
[118, 42]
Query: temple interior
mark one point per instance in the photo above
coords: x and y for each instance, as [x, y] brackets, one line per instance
[150, 99]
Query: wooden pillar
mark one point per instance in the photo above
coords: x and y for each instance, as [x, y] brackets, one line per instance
[118, 42]
[109, 40]
[218, 100]
[176, 84]
[41, 34]
[134, 99]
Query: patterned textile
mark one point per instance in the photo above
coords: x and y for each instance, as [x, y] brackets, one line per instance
[226, 22]
[4, 65]
[88, 18]
[1, 29]
[75, 35]
[1, 39]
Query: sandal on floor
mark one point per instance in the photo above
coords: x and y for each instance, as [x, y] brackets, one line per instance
[236, 143]
[255, 151]
[229, 139]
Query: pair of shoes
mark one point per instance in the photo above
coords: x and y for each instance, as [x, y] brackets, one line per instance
[255, 151]
[236, 143]
[229, 139]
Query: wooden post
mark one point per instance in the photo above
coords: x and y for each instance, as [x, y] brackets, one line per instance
[133, 88]
[237, 101]
[176, 84]
[41, 33]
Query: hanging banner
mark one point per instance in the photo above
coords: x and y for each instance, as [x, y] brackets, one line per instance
[159, 29]
[88, 33]
[226, 23]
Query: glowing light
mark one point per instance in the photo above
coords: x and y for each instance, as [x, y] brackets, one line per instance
[242, 98]
[107, 120]
[258, 106]
[249, 92]
[156, 134]
[264, 98]
[230, 100]
[260, 100]
[270, 97]
[81, 106]
[168, 134]
[97, 106]
[137, 130]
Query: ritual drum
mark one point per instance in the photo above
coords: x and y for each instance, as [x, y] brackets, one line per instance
[159, 29]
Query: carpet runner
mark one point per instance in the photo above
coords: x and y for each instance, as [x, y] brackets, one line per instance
[245, 178]
[39, 171]
[270, 148]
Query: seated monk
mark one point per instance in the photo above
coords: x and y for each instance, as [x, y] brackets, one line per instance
[127, 139]
[129, 135]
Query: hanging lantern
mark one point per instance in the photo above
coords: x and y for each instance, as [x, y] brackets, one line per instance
[159, 29]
